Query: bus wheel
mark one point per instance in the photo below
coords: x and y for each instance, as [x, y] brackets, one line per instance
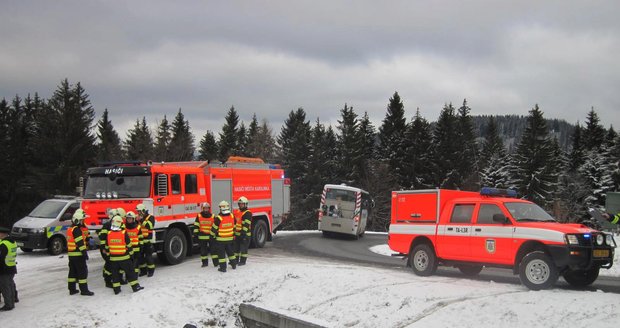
[56, 245]
[175, 246]
[259, 234]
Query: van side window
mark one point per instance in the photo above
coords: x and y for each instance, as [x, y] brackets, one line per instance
[71, 209]
[191, 184]
[462, 213]
[486, 212]
[175, 182]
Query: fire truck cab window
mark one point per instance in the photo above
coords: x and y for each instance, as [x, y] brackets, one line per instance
[486, 212]
[175, 182]
[191, 185]
[462, 213]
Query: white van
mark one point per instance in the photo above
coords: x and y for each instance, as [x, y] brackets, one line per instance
[344, 210]
[46, 226]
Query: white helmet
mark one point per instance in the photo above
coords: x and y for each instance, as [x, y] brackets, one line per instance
[78, 216]
[130, 215]
[243, 200]
[205, 205]
[140, 208]
[117, 223]
[112, 213]
[224, 207]
[121, 212]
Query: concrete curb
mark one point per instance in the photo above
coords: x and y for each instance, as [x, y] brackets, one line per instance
[256, 317]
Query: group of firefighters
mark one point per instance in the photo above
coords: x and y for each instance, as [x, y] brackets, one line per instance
[126, 246]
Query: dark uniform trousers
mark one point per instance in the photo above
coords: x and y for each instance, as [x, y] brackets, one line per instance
[225, 249]
[123, 265]
[242, 244]
[145, 261]
[206, 250]
[78, 272]
[7, 289]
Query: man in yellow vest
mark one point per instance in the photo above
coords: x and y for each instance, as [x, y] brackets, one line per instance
[118, 248]
[147, 222]
[223, 233]
[8, 269]
[243, 233]
[135, 235]
[78, 255]
[202, 231]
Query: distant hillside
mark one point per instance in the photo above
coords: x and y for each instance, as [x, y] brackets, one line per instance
[511, 128]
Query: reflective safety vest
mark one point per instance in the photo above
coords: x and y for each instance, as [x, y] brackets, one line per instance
[117, 246]
[72, 242]
[85, 235]
[204, 226]
[147, 229]
[243, 225]
[9, 260]
[226, 228]
[135, 237]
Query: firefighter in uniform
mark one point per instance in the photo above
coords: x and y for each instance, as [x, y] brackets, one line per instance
[243, 233]
[135, 235]
[223, 233]
[78, 255]
[612, 218]
[202, 230]
[103, 239]
[118, 248]
[147, 222]
[8, 269]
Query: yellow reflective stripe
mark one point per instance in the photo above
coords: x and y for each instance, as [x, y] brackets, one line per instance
[75, 253]
[119, 258]
[616, 219]
[224, 238]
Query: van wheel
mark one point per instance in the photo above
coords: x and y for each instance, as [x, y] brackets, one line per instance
[56, 245]
[259, 234]
[537, 271]
[423, 260]
[470, 270]
[581, 278]
[175, 247]
[26, 249]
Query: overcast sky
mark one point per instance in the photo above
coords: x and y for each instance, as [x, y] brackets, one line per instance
[150, 58]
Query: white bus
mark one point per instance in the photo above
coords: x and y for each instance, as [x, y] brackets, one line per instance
[344, 210]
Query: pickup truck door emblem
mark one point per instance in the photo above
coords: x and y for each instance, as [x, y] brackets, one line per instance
[490, 246]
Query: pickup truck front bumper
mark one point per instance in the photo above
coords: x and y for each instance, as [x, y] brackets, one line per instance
[582, 257]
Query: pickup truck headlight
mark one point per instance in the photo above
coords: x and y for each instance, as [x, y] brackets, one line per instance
[609, 240]
[600, 239]
[571, 240]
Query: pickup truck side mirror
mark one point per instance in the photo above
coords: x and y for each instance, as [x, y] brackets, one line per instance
[500, 218]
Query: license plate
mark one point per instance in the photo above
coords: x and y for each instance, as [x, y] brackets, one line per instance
[601, 253]
[336, 225]
[19, 244]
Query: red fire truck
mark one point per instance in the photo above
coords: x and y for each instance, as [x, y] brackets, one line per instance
[172, 192]
[493, 228]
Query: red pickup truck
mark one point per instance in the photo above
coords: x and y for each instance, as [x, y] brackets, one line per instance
[493, 228]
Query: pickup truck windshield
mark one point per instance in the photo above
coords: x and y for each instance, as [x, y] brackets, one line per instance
[102, 187]
[48, 209]
[528, 212]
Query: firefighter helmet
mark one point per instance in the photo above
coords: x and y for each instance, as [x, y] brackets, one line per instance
[78, 216]
[243, 200]
[117, 223]
[205, 205]
[112, 213]
[141, 208]
[224, 207]
[121, 212]
[131, 215]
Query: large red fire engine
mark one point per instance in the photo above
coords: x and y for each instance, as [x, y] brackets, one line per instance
[172, 192]
[471, 230]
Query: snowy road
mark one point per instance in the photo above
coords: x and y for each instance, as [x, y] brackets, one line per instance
[323, 291]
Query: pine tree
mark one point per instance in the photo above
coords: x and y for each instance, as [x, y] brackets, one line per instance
[349, 147]
[533, 171]
[162, 141]
[494, 162]
[597, 172]
[418, 166]
[577, 154]
[181, 146]
[251, 145]
[321, 162]
[208, 147]
[594, 134]
[109, 147]
[446, 149]
[242, 138]
[392, 135]
[610, 137]
[467, 155]
[229, 143]
[367, 138]
[139, 143]
[264, 144]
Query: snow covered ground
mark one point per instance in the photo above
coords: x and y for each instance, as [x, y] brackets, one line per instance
[323, 292]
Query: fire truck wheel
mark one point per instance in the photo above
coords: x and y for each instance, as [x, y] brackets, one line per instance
[259, 234]
[537, 271]
[56, 245]
[175, 246]
[423, 261]
[470, 270]
[581, 278]
[26, 249]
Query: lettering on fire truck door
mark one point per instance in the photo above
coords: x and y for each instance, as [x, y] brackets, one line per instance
[453, 237]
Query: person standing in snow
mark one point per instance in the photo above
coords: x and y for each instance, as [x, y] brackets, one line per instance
[8, 269]
[147, 222]
[223, 233]
[103, 239]
[78, 255]
[118, 248]
[202, 231]
[243, 233]
[135, 235]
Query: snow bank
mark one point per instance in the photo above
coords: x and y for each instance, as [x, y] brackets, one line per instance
[332, 294]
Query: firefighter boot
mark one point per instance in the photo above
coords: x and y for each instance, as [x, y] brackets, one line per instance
[84, 290]
[233, 264]
[151, 272]
[137, 288]
[117, 290]
[143, 272]
[108, 281]
[205, 263]
[72, 289]
[16, 298]
[222, 267]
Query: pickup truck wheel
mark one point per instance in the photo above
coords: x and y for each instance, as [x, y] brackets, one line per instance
[26, 249]
[470, 270]
[175, 246]
[56, 245]
[581, 278]
[537, 271]
[423, 260]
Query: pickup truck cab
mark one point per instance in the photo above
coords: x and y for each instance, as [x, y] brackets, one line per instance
[470, 230]
[46, 226]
